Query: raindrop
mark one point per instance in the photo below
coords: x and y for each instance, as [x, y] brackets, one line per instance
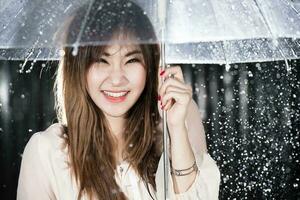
[25, 61]
[288, 67]
[275, 42]
[31, 67]
[1, 130]
[258, 66]
[61, 53]
[278, 76]
[100, 7]
[29, 130]
[130, 145]
[190, 12]
[250, 74]
[129, 4]
[40, 32]
[227, 67]
[75, 50]
[22, 96]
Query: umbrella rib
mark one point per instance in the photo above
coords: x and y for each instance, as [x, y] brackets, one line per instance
[82, 27]
[222, 42]
[293, 8]
[272, 34]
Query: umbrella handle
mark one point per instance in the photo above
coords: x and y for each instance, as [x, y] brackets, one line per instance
[165, 134]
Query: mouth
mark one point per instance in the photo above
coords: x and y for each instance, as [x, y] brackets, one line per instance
[115, 96]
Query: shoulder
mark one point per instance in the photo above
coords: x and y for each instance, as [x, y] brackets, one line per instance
[46, 141]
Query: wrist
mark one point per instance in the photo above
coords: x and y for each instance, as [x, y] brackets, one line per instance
[178, 131]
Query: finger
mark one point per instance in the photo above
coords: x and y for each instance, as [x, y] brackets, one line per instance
[169, 104]
[176, 71]
[182, 97]
[172, 82]
[159, 77]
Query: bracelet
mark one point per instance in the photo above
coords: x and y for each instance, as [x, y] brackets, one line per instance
[182, 172]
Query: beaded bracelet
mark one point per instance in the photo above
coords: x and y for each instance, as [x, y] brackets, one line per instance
[182, 172]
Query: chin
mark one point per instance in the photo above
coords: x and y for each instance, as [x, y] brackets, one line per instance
[115, 112]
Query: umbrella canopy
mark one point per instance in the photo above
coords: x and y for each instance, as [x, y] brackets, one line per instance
[37, 29]
[232, 31]
[206, 31]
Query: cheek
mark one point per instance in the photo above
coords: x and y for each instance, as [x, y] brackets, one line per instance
[93, 78]
[138, 77]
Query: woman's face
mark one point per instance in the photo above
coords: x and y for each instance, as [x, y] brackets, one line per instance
[117, 79]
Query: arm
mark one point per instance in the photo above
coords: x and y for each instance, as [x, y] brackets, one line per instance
[189, 140]
[33, 182]
[205, 183]
[182, 157]
[196, 133]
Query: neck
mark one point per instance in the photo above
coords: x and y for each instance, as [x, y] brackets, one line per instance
[117, 125]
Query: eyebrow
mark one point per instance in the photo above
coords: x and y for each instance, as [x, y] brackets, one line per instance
[127, 55]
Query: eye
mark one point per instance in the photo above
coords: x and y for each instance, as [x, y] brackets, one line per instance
[101, 60]
[134, 60]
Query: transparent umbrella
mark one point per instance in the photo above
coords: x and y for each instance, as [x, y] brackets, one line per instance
[195, 31]
[232, 31]
[206, 31]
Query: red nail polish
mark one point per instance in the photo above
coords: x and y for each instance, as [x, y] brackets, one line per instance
[158, 98]
[162, 73]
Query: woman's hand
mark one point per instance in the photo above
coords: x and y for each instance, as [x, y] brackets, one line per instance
[175, 96]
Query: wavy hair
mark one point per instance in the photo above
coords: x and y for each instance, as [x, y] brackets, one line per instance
[91, 144]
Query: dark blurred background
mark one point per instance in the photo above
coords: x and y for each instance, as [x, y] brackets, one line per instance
[251, 114]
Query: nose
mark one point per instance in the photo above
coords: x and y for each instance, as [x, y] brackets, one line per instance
[117, 76]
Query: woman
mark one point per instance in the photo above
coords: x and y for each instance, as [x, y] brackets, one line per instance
[107, 144]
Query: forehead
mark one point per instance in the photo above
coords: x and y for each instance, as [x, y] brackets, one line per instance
[115, 49]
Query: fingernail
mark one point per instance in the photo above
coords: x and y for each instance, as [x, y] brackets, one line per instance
[162, 107]
[158, 98]
[162, 73]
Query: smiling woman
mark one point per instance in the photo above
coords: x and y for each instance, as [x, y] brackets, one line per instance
[108, 142]
[120, 76]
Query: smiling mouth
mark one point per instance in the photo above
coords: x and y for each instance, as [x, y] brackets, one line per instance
[115, 94]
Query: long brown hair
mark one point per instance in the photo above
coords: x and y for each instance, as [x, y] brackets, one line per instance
[90, 141]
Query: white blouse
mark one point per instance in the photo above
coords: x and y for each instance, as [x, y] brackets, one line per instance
[45, 175]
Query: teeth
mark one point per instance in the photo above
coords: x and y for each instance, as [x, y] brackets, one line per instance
[115, 94]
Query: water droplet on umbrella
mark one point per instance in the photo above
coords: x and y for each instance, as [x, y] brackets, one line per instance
[227, 67]
[75, 50]
[62, 52]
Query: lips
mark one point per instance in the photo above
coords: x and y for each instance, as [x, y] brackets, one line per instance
[115, 93]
